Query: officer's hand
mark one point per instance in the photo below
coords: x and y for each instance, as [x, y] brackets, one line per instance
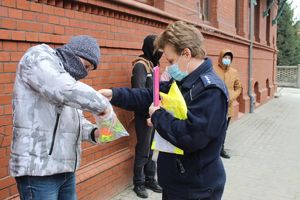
[107, 93]
[153, 108]
[165, 76]
[149, 123]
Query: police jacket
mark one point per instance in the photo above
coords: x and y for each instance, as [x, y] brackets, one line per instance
[198, 172]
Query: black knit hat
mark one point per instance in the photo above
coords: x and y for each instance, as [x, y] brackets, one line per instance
[85, 47]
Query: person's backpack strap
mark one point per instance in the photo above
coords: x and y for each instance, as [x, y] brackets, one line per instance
[148, 65]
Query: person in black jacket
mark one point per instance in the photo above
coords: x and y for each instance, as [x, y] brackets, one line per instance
[199, 173]
[144, 167]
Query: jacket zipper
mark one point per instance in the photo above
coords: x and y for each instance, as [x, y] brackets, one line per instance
[54, 133]
[77, 142]
[179, 166]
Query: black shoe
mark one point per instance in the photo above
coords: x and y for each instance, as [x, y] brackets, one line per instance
[153, 185]
[140, 191]
[224, 154]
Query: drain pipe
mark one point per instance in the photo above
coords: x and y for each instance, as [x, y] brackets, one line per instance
[251, 36]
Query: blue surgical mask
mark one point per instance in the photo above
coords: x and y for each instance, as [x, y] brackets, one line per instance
[226, 61]
[176, 73]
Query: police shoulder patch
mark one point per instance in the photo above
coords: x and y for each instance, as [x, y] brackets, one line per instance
[208, 80]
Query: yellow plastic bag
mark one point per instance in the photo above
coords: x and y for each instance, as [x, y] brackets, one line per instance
[174, 103]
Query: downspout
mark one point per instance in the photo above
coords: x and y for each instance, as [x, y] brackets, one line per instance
[251, 36]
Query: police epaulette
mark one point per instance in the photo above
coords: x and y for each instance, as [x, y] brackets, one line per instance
[208, 80]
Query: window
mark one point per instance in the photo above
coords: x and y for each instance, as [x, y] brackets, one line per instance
[257, 21]
[240, 16]
[268, 24]
[237, 14]
[204, 9]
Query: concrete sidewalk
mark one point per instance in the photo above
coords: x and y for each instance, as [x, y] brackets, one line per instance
[265, 149]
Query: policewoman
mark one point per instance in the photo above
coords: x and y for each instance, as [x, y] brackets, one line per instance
[199, 173]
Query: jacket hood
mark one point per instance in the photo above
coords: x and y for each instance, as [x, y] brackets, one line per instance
[149, 50]
[222, 54]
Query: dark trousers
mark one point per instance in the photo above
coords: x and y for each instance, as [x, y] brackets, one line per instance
[216, 195]
[228, 121]
[144, 166]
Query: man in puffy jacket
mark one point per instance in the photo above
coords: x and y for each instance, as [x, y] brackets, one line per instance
[232, 81]
[48, 124]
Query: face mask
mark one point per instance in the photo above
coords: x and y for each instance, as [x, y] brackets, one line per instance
[176, 73]
[226, 61]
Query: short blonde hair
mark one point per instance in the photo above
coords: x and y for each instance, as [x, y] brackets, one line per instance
[182, 35]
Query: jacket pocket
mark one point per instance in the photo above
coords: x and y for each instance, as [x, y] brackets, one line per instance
[54, 133]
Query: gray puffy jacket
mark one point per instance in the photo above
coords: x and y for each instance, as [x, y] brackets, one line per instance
[48, 124]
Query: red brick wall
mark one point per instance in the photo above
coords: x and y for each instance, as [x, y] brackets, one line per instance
[120, 26]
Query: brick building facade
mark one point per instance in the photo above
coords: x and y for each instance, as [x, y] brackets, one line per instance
[120, 26]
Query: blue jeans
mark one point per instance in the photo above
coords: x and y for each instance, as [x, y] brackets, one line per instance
[54, 187]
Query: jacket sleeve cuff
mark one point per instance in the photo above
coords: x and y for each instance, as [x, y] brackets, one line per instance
[93, 139]
[87, 129]
[115, 96]
[155, 115]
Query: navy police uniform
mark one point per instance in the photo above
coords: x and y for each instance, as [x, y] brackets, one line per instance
[199, 173]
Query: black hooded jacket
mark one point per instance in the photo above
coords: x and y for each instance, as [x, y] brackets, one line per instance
[149, 50]
[142, 66]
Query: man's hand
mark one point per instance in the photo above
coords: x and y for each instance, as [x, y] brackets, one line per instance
[106, 92]
[96, 135]
[153, 108]
[106, 113]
